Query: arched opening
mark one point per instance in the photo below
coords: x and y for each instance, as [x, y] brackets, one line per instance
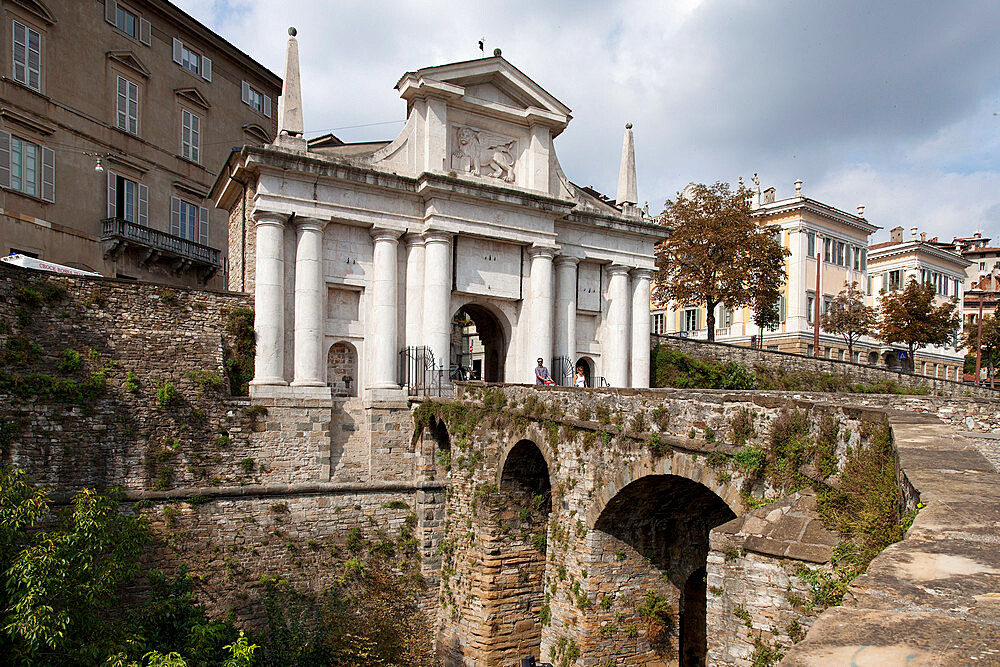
[342, 369]
[587, 364]
[516, 574]
[656, 530]
[873, 358]
[478, 345]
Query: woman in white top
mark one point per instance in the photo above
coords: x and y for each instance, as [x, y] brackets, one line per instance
[580, 380]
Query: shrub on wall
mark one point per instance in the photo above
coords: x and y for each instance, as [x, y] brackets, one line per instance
[239, 349]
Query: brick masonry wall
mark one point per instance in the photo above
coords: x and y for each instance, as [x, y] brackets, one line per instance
[788, 362]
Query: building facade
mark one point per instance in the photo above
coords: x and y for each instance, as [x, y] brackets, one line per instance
[895, 263]
[982, 275]
[829, 250]
[115, 118]
[376, 247]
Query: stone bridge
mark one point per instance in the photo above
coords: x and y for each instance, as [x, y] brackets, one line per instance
[614, 528]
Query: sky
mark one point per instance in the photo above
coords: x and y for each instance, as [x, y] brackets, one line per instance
[893, 105]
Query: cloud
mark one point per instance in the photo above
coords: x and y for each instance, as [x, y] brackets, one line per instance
[887, 103]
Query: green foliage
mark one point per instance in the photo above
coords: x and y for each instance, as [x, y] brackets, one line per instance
[62, 572]
[750, 459]
[849, 316]
[69, 362]
[538, 540]
[19, 351]
[238, 350]
[912, 316]
[167, 296]
[657, 447]
[740, 612]
[396, 505]
[659, 615]
[788, 446]
[765, 654]
[132, 383]
[545, 614]
[255, 412]
[208, 381]
[167, 394]
[741, 427]
[672, 368]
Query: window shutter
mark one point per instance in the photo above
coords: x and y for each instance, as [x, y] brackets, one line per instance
[195, 139]
[175, 216]
[112, 194]
[202, 225]
[885, 281]
[145, 32]
[206, 68]
[143, 216]
[4, 159]
[110, 9]
[267, 106]
[48, 174]
[177, 50]
[246, 93]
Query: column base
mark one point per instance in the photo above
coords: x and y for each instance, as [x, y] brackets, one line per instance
[269, 381]
[308, 383]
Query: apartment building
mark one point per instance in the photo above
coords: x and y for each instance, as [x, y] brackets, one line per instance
[894, 263]
[830, 250]
[115, 118]
[981, 275]
[813, 232]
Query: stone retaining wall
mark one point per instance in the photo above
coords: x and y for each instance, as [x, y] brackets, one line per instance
[790, 362]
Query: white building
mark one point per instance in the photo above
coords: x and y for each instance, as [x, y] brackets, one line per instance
[355, 253]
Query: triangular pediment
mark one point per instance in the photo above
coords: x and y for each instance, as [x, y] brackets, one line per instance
[193, 96]
[488, 82]
[36, 8]
[128, 59]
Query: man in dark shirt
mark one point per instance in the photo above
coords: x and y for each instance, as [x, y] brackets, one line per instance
[541, 372]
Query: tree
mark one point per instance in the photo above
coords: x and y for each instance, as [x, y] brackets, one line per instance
[849, 316]
[990, 341]
[909, 316]
[717, 253]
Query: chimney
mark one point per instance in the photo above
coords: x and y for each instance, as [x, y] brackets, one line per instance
[913, 233]
[861, 210]
[290, 103]
[896, 234]
[767, 197]
[923, 236]
[798, 187]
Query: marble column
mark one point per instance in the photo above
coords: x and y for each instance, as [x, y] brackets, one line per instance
[641, 279]
[437, 297]
[615, 349]
[540, 309]
[310, 303]
[415, 247]
[385, 285]
[565, 318]
[269, 299]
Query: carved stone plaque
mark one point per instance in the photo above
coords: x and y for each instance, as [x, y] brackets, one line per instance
[483, 153]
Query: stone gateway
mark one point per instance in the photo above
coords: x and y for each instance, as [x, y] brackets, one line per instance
[375, 248]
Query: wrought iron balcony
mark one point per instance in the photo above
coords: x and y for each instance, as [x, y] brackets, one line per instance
[119, 235]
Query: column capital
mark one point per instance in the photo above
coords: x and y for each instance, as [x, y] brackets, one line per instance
[413, 238]
[307, 223]
[437, 236]
[562, 260]
[263, 217]
[617, 269]
[643, 273]
[385, 234]
[541, 251]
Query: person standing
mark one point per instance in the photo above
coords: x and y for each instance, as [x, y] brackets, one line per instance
[542, 373]
[580, 380]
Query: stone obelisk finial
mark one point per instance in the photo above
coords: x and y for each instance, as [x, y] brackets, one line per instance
[627, 192]
[290, 104]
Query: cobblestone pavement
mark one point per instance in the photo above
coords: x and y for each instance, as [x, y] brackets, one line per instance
[988, 445]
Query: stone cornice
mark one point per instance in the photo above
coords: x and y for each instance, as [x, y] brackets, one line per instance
[917, 248]
[823, 210]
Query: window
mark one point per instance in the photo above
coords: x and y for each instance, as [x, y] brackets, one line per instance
[689, 320]
[864, 259]
[857, 259]
[982, 266]
[869, 290]
[27, 167]
[27, 56]
[128, 106]
[840, 354]
[781, 309]
[188, 221]
[127, 199]
[190, 136]
[827, 304]
[827, 250]
[256, 100]
[809, 350]
[127, 21]
[957, 291]
[656, 323]
[840, 253]
[810, 309]
[725, 317]
[192, 61]
[811, 244]
[896, 279]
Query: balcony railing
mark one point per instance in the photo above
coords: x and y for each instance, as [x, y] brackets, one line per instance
[119, 233]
